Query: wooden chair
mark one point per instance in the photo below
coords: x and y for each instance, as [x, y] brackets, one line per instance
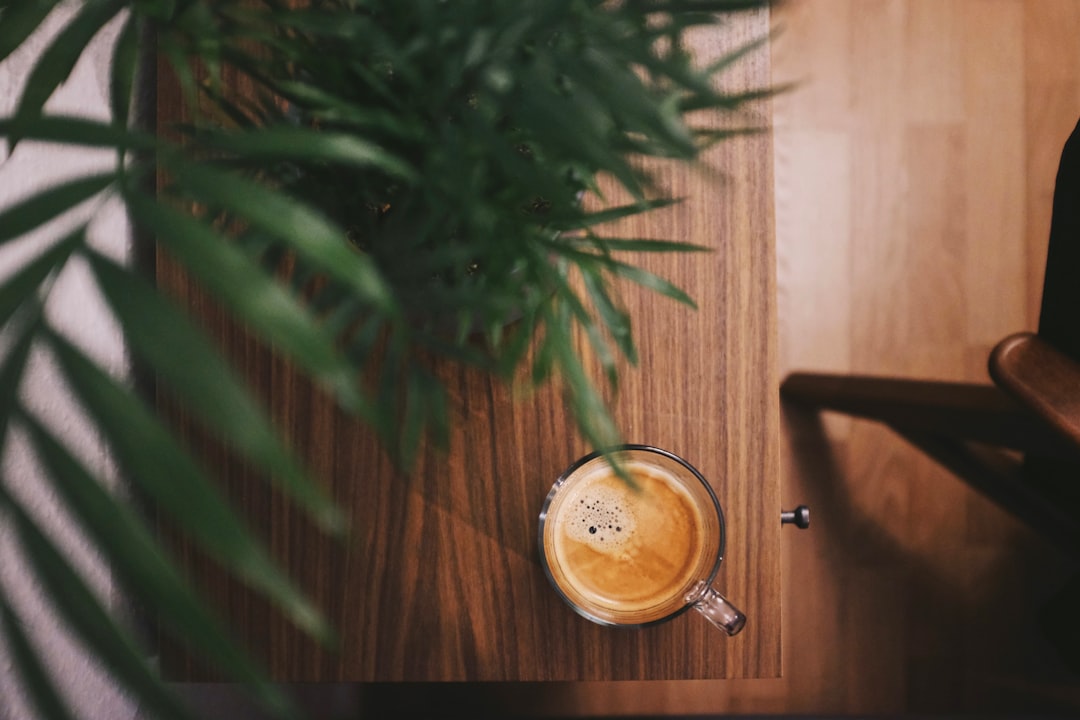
[1017, 439]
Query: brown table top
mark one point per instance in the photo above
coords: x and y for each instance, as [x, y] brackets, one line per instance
[441, 579]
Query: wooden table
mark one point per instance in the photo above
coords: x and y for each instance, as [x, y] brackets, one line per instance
[441, 579]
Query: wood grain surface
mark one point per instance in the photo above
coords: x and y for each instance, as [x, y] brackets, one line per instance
[440, 579]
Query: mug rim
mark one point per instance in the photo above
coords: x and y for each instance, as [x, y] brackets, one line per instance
[557, 485]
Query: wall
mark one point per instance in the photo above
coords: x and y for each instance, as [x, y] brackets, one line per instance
[74, 308]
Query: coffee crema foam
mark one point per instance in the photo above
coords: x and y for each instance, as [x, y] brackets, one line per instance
[600, 518]
[625, 553]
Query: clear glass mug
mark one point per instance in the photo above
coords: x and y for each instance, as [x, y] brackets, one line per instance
[634, 555]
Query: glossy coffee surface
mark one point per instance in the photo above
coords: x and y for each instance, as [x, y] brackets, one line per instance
[624, 553]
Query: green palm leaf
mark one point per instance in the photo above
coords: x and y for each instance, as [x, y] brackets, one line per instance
[652, 281]
[608, 244]
[24, 284]
[14, 364]
[88, 619]
[296, 143]
[143, 568]
[58, 60]
[203, 383]
[594, 418]
[122, 71]
[68, 130]
[310, 233]
[49, 204]
[615, 319]
[154, 462]
[253, 296]
[43, 692]
[19, 20]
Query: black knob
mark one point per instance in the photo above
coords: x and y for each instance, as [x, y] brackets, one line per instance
[799, 517]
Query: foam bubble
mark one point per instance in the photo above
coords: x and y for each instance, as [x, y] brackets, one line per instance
[599, 516]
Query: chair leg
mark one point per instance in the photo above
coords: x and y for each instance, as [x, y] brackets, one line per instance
[963, 411]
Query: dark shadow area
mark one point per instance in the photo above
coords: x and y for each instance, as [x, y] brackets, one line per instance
[1008, 619]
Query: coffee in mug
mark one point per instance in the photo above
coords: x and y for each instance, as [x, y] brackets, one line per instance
[635, 549]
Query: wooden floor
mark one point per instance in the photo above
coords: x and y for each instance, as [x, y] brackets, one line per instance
[914, 165]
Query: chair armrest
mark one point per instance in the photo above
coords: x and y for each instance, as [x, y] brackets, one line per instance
[1041, 378]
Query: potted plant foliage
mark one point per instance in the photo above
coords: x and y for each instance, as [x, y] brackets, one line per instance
[400, 180]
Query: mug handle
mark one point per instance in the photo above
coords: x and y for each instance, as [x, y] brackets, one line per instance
[716, 608]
